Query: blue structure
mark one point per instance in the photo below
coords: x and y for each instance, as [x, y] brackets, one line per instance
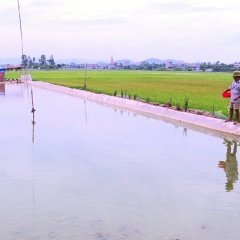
[2, 74]
[2, 70]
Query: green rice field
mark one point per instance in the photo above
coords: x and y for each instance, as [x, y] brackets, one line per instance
[202, 88]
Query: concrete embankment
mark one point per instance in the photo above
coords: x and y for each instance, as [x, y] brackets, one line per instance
[202, 123]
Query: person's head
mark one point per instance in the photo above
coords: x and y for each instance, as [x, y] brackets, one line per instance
[236, 75]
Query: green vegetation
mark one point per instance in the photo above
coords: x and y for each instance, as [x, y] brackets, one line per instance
[49, 64]
[195, 90]
[41, 63]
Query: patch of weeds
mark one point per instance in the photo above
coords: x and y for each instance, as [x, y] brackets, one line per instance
[178, 106]
[125, 93]
[186, 101]
[148, 100]
[122, 93]
[115, 93]
[129, 96]
[135, 96]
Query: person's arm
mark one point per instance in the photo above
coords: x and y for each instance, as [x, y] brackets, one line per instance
[227, 90]
[236, 98]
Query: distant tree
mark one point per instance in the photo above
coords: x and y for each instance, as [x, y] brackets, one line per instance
[149, 67]
[209, 65]
[162, 69]
[203, 66]
[155, 66]
[51, 62]
[24, 61]
[216, 68]
[30, 62]
[35, 64]
[43, 62]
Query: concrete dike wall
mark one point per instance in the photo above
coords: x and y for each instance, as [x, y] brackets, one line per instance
[202, 123]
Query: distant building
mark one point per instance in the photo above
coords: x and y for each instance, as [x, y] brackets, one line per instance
[169, 64]
[102, 65]
[91, 66]
[180, 65]
[112, 65]
[196, 66]
[236, 65]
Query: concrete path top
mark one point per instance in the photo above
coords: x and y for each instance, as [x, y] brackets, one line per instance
[201, 123]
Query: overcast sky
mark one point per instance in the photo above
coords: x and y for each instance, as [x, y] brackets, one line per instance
[194, 30]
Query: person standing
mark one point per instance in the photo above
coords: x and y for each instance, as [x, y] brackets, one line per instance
[235, 97]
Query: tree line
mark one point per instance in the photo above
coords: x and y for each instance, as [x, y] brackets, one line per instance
[217, 67]
[41, 63]
[44, 63]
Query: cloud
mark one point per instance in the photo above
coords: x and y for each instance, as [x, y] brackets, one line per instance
[181, 7]
[9, 16]
[136, 27]
[94, 22]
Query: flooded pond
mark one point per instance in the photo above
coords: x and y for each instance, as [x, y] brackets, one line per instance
[89, 171]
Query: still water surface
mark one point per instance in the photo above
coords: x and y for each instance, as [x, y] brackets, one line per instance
[89, 171]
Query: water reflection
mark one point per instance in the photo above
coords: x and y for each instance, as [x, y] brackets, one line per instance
[85, 111]
[33, 124]
[185, 132]
[230, 166]
[33, 137]
[124, 176]
[2, 89]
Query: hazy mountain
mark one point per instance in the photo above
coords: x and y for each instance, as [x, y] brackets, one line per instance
[101, 63]
[71, 60]
[125, 61]
[12, 61]
[174, 61]
[158, 61]
[17, 60]
[77, 61]
[153, 60]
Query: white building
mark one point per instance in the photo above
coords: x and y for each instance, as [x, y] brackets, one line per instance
[237, 65]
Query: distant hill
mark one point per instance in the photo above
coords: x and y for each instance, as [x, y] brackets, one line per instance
[125, 61]
[76, 61]
[17, 60]
[158, 61]
[71, 60]
[12, 61]
[174, 61]
[153, 60]
[101, 63]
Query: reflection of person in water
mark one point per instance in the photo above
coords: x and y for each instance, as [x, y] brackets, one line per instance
[230, 166]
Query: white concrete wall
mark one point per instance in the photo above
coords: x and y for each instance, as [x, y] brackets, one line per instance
[206, 123]
[26, 77]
